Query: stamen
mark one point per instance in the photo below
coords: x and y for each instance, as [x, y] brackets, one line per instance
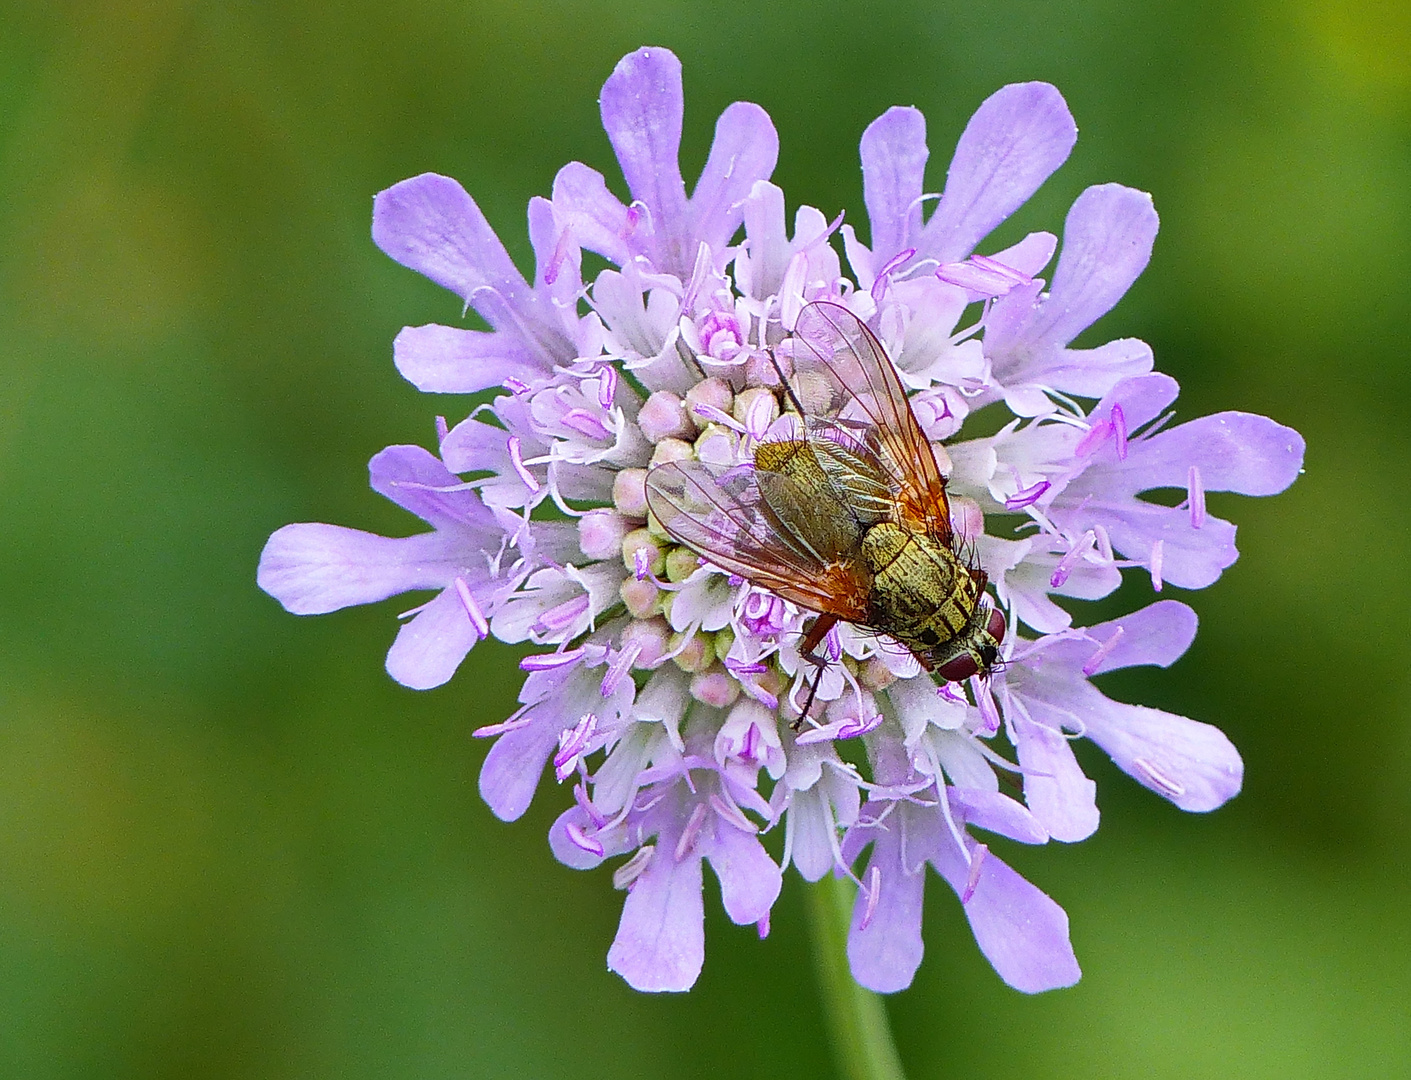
[1196, 495]
[989, 713]
[949, 692]
[874, 893]
[641, 564]
[732, 814]
[619, 667]
[626, 875]
[737, 667]
[763, 926]
[518, 462]
[1069, 561]
[489, 731]
[757, 419]
[751, 744]
[583, 840]
[981, 274]
[1104, 543]
[977, 860]
[1095, 661]
[1096, 436]
[1027, 496]
[551, 272]
[760, 694]
[441, 430]
[580, 796]
[477, 617]
[562, 616]
[860, 726]
[572, 743]
[884, 275]
[698, 275]
[549, 661]
[692, 830]
[719, 416]
[585, 423]
[607, 385]
[1156, 776]
[1158, 552]
[1119, 428]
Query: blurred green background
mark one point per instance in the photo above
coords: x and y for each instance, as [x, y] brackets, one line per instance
[230, 846]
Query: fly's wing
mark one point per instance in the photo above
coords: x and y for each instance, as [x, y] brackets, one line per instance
[846, 382]
[731, 515]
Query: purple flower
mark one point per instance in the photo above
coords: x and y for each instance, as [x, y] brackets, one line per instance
[664, 698]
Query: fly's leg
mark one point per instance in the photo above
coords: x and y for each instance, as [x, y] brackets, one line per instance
[816, 633]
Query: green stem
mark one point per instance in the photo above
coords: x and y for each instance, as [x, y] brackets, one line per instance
[857, 1019]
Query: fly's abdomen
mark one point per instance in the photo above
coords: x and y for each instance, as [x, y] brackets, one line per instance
[921, 593]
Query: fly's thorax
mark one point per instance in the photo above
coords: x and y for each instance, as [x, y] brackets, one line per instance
[792, 457]
[922, 594]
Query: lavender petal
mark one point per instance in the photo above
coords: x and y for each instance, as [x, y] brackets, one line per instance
[745, 150]
[641, 109]
[429, 224]
[595, 216]
[885, 953]
[515, 765]
[1192, 764]
[430, 647]
[1020, 929]
[1055, 789]
[660, 943]
[893, 171]
[1107, 241]
[447, 360]
[313, 569]
[416, 480]
[1013, 143]
[749, 879]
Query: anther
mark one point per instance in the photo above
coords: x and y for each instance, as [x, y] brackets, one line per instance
[472, 609]
[549, 661]
[1196, 496]
[562, 616]
[874, 893]
[732, 814]
[972, 880]
[1158, 553]
[583, 840]
[489, 731]
[518, 462]
[580, 796]
[1069, 561]
[1161, 780]
[1119, 428]
[1027, 496]
[585, 423]
[626, 875]
[619, 667]
[687, 840]
[551, 272]
[1095, 661]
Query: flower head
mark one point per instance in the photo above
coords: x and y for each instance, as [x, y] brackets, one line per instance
[668, 694]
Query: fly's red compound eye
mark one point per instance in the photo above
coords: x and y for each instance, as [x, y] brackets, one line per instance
[995, 627]
[958, 668]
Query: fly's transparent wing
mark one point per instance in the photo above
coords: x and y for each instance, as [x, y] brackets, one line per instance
[759, 525]
[846, 383]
